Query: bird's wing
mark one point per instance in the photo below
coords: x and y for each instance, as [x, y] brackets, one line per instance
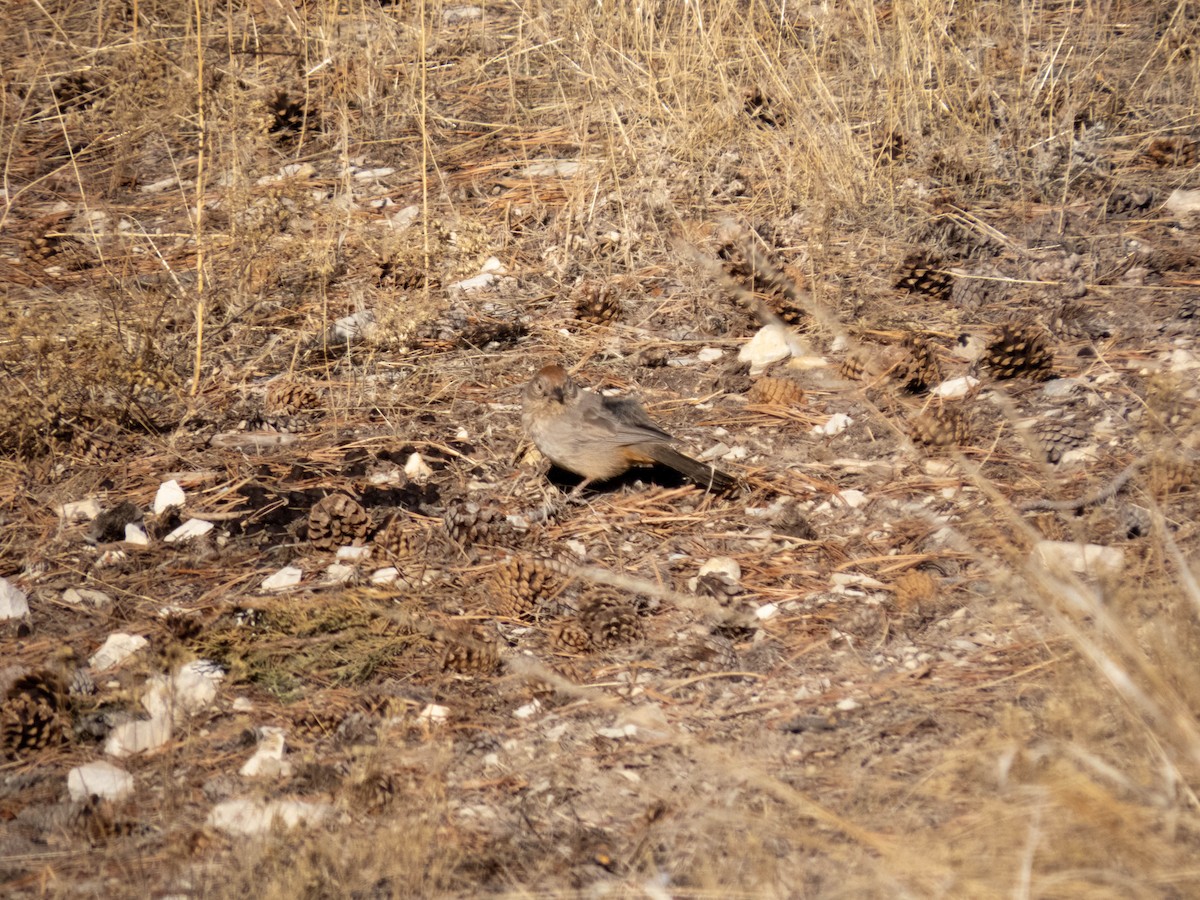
[623, 418]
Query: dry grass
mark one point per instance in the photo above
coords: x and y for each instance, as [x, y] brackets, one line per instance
[194, 195]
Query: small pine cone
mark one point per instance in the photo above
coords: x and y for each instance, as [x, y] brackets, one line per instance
[33, 714]
[46, 245]
[1171, 474]
[1067, 321]
[376, 790]
[913, 589]
[1055, 439]
[1019, 348]
[598, 303]
[291, 398]
[93, 447]
[919, 274]
[569, 636]
[609, 618]
[1172, 151]
[470, 651]
[472, 523]
[520, 587]
[1189, 309]
[1066, 269]
[855, 366]
[698, 650]
[918, 370]
[1126, 202]
[565, 669]
[940, 426]
[974, 289]
[789, 312]
[405, 541]
[772, 390]
[337, 521]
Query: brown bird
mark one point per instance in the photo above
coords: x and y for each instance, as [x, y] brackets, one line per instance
[601, 437]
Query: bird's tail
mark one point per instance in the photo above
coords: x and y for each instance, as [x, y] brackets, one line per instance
[701, 473]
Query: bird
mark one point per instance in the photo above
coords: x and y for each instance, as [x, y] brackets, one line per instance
[600, 437]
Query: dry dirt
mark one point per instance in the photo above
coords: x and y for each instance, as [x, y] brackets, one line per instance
[301, 258]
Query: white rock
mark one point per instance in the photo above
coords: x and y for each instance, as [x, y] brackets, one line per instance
[1062, 557]
[242, 704]
[353, 554]
[287, 577]
[157, 187]
[710, 354]
[434, 714]
[955, 388]
[249, 817]
[854, 579]
[387, 575]
[117, 648]
[848, 704]
[456, 15]
[268, 761]
[770, 344]
[135, 535]
[192, 528]
[353, 327]
[766, 611]
[528, 711]
[417, 469]
[1185, 205]
[79, 596]
[724, 565]
[99, 779]
[80, 510]
[137, 736]
[338, 573]
[405, 217]
[169, 494]
[491, 264]
[939, 468]
[555, 168]
[195, 685]
[836, 424]
[851, 498]
[369, 174]
[13, 602]
[486, 279]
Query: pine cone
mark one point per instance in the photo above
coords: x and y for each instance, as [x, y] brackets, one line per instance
[46, 244]
[1067, 320]
[93, 446]
[33, 714]
[940, 426]
[569, 636]
[598, 303]
[337, 521]
[520, 587]
[1170, 474]
[1055, 439]
[470, 651]
[912, 589]
[472, 523]
[1189, 309]
[855, 366]
[697, 650]
[918, 369]
[773, 390]
[404, 540]
[920, 274]
[1127, 202]
[1172, 151]
[979, 287]
[291, 398]
[609, 618]
[1019, 348]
